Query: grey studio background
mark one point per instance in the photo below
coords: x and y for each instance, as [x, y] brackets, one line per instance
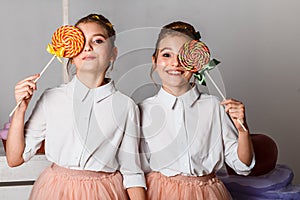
[257, 42]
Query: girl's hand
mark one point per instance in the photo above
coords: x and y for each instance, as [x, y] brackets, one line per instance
[236, 111]
[24, 90]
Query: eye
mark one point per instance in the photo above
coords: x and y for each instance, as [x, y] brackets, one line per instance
[98, 41]
[167, 55]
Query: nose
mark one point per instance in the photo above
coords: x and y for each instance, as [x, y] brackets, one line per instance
[175, 62]
[87, 46]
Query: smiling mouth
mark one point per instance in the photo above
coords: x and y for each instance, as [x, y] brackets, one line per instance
[174, 72]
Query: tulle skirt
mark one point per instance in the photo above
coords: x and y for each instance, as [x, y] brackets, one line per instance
[67, 184]
[180, 187]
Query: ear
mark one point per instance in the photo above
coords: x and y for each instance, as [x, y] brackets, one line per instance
[153, 62]
[114, 54]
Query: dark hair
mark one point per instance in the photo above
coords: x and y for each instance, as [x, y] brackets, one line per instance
[176, 28]
[103, 22]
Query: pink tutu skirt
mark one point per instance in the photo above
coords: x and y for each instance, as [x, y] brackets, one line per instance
[180, 187]
[67, 184]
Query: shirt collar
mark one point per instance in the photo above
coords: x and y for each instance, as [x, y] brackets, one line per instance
[188, 98]
[191, 96]
[81, 91]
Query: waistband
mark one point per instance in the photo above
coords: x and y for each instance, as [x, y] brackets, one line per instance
[210, 178]
[79, 173]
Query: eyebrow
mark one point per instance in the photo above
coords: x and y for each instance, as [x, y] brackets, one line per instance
[100, 34]
[166, 48]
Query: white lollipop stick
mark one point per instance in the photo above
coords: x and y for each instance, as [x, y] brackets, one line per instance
[48, 64]
[19, 102]
[220, 92]
[213, 82]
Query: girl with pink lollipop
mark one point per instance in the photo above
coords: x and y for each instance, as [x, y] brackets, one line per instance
[188, 135]
[91, 130]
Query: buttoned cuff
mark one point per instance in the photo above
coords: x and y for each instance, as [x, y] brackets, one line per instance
[134, 180]
[243, 169]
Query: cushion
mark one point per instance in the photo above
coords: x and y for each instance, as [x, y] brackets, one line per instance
[274, 184]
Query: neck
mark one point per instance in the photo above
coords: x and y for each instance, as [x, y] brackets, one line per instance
[177, 91]
[91, 80]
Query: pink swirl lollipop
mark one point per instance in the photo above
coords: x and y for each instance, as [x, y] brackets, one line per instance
[193, 55]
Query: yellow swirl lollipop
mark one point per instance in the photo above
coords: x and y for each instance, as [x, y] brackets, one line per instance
[67, 42]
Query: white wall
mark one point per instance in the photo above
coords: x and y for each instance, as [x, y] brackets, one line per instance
[256, 41]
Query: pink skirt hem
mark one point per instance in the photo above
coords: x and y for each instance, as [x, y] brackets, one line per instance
[67, 184]
[180, 187]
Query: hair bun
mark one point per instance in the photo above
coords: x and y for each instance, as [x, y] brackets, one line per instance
[197, 35]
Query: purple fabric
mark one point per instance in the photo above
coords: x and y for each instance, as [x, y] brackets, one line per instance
[274, 185]
[4, 131]
[291, 192]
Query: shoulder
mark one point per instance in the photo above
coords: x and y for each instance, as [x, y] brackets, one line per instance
[147, 105]
[123, 99]
[58, 91]
[148, 101]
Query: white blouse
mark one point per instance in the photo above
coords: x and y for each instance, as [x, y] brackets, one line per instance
[190, 135]
[87, 129]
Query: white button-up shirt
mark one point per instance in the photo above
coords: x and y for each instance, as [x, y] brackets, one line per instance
[190, 135]
[87, 129]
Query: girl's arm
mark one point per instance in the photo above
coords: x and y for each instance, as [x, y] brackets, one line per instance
[15, 143]
[236, 110]
[136, 193]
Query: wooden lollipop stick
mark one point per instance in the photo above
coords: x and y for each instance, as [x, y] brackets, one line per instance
[220, 92]
[20, 101]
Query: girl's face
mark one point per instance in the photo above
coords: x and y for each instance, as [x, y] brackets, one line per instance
[172, 75]
[98, 51]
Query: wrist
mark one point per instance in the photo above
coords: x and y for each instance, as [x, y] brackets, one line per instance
[19, 112]
[243, 133]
